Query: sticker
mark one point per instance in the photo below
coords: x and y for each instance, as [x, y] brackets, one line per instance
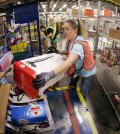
[36, 110]
[22, 66]
[23, 121]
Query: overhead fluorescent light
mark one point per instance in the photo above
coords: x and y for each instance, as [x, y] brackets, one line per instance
[60, 9]
[44, 6]
[54, 5]
[64, 6]
[68, 9]
[74, 6]
[18, 2]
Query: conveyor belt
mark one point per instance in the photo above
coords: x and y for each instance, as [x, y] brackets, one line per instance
[69, 112]
[107, 81]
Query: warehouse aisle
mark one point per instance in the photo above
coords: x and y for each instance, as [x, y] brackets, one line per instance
[69, 116]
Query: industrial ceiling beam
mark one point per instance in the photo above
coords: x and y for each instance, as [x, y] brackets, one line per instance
[116, 2]
[57, 3]
[60, 3]
[40, 7]
[48, 5]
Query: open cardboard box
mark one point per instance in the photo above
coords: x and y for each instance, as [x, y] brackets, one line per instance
[4, 95]
[114, 33]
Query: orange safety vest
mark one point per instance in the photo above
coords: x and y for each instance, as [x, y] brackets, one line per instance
[88, 63]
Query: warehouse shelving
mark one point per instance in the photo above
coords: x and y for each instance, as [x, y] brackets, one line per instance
[108, 77]
[97, 34]
[2, 36]
[109, 83]
[115, 69]
[105, 35]
[2, 31]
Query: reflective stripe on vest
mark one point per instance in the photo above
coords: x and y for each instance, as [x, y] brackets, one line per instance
[89, 62]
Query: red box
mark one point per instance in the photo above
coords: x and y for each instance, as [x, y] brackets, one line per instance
[23, 76]
[26, 70]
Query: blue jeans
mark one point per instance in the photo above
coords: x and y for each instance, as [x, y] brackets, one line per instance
[85, 84]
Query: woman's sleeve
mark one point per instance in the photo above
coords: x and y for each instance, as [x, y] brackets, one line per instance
[64, 45]
[78, 49]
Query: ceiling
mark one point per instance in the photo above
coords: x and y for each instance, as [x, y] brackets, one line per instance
[59, 3]
[9, 4]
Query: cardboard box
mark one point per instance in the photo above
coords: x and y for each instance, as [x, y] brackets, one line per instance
[4, 95]
[114, 33]
[26, 70]
[30, 113]
[41, 125]
[74, 12]
[1, 74]
[6, 98]
[5, 61]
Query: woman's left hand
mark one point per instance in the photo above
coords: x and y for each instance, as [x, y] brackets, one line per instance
[42, 79]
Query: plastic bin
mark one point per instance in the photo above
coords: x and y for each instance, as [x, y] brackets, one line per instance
[20, 47]
[20, 50]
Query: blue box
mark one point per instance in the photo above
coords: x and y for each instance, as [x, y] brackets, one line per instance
[29, 114]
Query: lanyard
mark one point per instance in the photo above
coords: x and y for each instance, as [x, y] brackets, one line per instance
[72, 45]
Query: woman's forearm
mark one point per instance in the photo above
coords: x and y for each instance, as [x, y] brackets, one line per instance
[70, 60]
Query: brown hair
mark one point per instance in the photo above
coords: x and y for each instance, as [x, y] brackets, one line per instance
[42, 26]
[76, 23]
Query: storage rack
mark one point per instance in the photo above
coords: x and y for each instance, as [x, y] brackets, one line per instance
[28, 13]
[107, 76]
[2, 29]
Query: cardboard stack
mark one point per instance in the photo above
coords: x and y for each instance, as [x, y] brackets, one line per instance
[26, 70]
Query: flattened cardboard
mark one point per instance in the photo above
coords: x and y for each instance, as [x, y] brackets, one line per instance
[4, 95]
[1, 74]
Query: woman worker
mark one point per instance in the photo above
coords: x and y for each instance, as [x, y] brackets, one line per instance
[79, 58]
